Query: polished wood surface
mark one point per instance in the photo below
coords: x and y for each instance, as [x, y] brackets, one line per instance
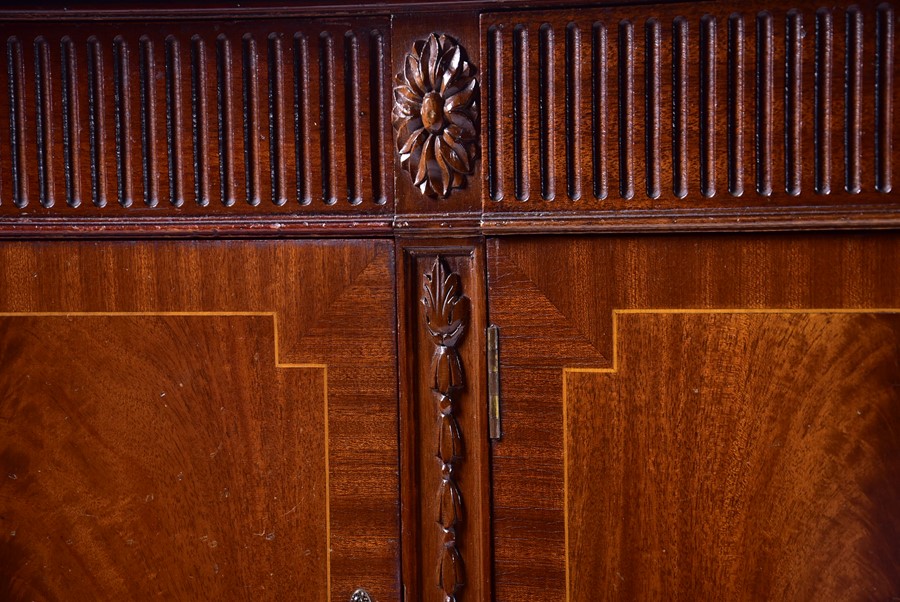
[141, 450]
[668, 106]
[554, 300]
[463, 202]
[644, 116]
[150, 459]
[739, 456]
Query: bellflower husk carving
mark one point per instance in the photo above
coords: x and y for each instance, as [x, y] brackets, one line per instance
[435, 115]
[446, 315]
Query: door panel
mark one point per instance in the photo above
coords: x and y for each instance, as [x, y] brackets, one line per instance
[697, 418]
[198, 421]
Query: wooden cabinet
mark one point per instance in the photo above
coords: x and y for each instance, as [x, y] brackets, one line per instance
[449, 302]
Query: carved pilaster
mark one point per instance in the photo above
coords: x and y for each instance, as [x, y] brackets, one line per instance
[444, 444]
[446, 316]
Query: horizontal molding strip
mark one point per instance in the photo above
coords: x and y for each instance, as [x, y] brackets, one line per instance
[678, 116]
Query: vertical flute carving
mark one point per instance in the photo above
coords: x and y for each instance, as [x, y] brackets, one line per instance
[446, 318]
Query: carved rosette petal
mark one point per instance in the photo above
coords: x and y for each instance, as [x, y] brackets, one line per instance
[446, 316]
[435, 115]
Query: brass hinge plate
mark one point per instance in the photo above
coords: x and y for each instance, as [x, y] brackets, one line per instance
[493, 363]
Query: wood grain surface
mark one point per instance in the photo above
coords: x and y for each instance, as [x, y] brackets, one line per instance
[737, 456]
[735, 440]
[102, 445]
[554, 298]
[160, 456]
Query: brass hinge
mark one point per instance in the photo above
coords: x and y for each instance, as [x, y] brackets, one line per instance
[493, 363]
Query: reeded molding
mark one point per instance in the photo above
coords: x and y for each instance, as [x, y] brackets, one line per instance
[250, 117]
[752, 104]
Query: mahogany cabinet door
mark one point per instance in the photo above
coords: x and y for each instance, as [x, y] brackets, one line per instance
[687, 417]
[198, 421]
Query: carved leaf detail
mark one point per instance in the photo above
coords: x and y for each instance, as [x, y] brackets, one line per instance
[435, 114]
[461, 99]
[446, 370]
[446, 309]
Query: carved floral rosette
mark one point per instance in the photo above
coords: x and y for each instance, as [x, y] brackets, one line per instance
[446, 318]
[435, 115]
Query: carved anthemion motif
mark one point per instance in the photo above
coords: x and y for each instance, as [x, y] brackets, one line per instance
[446, 318]
[435, 115]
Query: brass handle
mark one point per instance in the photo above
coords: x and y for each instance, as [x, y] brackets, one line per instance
[360, 595]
